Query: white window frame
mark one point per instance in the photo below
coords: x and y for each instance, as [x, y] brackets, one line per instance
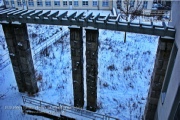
[85, 3]
[19, 4]
[105, 3]
[31, 3]
[76, 3]
[39, 3]
[57, 3]
[65, 3]
[48, 3]
[145, 4]
[95, 3]
[7, 2]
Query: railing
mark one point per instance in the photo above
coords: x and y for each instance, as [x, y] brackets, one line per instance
[64, 110]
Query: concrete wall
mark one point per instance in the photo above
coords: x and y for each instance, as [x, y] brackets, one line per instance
[164, 110]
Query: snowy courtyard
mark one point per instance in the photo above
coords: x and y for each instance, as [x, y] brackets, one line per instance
[124, 71]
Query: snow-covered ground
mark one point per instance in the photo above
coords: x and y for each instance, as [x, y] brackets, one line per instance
[124, 72]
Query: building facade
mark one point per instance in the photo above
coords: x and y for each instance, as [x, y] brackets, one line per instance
[60, 4]
[169, 101]
[73, 4]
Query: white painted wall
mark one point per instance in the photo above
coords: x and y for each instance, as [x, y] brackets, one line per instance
[165, 109]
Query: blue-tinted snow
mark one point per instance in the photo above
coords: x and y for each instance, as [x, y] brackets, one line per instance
[123, 78]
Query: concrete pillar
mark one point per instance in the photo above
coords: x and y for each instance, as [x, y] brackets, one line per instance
[76, 43]
[20, 53]
[157, 79]
[91, 67]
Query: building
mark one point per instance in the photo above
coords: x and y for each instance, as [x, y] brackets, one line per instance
[169, 101]
[60, 4]
[72, 4]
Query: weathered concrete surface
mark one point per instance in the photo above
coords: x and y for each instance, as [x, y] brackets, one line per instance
[76, 43]
[91, 67]
[157, 79]
[20, 54]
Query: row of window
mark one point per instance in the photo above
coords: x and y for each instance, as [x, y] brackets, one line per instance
[131, 2]
[105, 3]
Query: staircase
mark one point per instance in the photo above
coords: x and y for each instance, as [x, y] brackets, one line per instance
[31, 106]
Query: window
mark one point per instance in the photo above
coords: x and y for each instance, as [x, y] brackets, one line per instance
[7, 2]
[169, 72]
[48, 3]
[85, 3]
[70, 2]
[105, 3]
[12, 2]
[31, 2]
[39, 3]
[95, 3]
[145, 4]
[56, 3]
[64, 3]
[19, 3]
[118, 4]
[75, 3]
[132, 3]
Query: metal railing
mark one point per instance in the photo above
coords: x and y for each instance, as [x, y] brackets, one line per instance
[62, 109]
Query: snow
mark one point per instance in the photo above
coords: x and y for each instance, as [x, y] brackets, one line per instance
[124, 72]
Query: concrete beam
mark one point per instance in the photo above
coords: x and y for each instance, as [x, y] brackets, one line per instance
[96, 22]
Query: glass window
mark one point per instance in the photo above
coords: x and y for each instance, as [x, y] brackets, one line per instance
[70, 2]
[39, 3]
[12, 2]
[30, 2]
[84, 3]
[64, 3]
[118, 4]
[48, 3]
[105, 3]
[75, 3]
[19, 3]
[132, 3]
[7, 2]
[95, 3]
[145, 4]
[56, 3]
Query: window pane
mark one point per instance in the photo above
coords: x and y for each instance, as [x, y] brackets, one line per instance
[75, 3]
[56, 3]
[48, 3]
[64, 3]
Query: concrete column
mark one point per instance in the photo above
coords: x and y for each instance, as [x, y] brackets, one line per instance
[20, 53]
[157, 79]
[76, 43]
[91, 67]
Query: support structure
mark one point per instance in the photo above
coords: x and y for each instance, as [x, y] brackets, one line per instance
[21, 58]
[157, 79]
[91, 67]
[76, 43]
